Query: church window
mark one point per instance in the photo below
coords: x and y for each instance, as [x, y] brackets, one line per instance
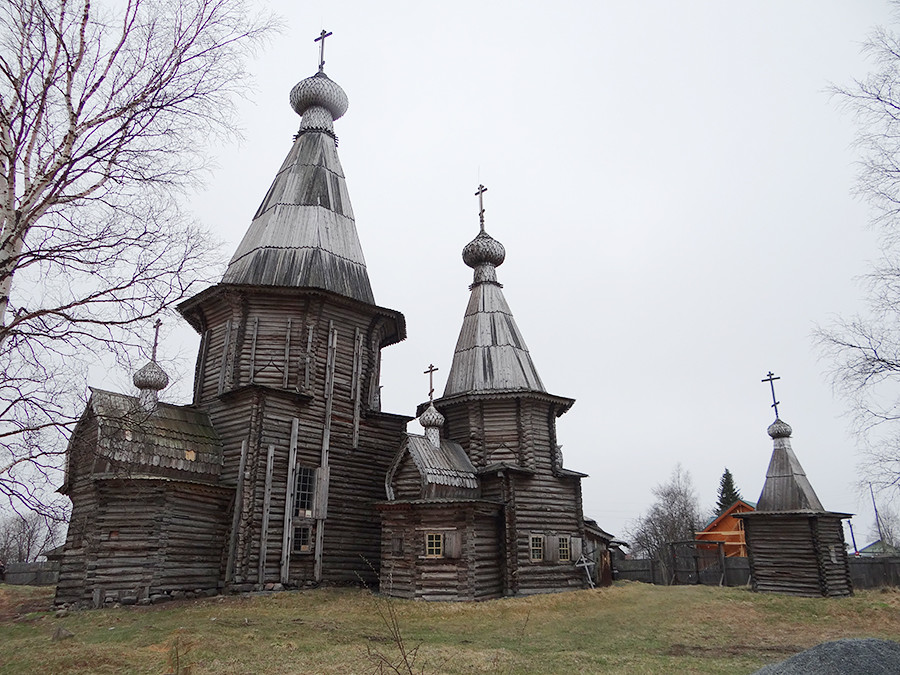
[565, 549]
[537, 547]
[302, 539]
[303, 497]
[434, 544]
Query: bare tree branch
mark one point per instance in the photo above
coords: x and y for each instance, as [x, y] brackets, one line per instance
[104, 114]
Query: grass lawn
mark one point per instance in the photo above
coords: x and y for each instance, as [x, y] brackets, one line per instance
[629, 628]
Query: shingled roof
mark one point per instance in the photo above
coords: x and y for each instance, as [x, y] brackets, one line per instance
[787, 487]
[490, 354]
[304, 234]
[173, 442]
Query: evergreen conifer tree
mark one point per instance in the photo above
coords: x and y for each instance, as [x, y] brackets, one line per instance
[728, 493]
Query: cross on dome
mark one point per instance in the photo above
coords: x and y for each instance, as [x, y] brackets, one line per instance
[430, 373]
[479, 193]
[770, 378]
[321, 41]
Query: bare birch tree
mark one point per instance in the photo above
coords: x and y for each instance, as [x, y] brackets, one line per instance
[104, 114]
[865, 349]
[674, 516]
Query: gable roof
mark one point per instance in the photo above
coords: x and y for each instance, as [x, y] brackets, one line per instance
[174, 442]
[715, 520]
[445, 465]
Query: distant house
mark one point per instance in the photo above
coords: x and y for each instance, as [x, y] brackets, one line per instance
[878, 548]
[726, 528]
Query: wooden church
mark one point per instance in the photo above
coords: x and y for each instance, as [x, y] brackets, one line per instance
[795, 546]
[283, 467]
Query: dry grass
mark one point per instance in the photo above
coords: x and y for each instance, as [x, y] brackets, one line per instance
[631, 627]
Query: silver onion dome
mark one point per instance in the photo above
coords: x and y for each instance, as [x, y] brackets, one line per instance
[319, 91]
[779, 429]
[483, 249]
[431, 417]
[151, 377]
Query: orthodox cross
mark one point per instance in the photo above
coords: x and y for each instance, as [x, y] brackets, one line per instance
[321, 39]
[156, 338]
[430, 373]
[481, 190]
[770, 378]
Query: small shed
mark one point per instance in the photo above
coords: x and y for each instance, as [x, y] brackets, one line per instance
[795, 545]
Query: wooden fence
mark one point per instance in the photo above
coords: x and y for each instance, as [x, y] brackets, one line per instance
[865, 572]
[32, 574]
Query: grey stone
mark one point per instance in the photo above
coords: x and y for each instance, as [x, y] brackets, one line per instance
[62, 634]
[144, 601]
[129, 600]
[852, 656]
[61, 613]
[277, 587]
[178, 595]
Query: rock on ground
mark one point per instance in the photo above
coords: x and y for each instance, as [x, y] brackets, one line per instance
[852, 656]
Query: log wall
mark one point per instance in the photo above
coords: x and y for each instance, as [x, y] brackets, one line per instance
[271, 358]
[797, 554]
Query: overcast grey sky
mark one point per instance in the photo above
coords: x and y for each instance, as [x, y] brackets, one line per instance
[671, 182]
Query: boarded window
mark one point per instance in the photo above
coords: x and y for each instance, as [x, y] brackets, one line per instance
[537, 547]
[397, 545]
[565, 549]
[303, 497]
[434, 544]
[302, 539]
[575, 548]
[452, 545]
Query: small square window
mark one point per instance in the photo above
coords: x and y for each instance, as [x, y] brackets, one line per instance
[434, 544]
[537, 547]
[565, 549]
[302, 540]
[397, 546]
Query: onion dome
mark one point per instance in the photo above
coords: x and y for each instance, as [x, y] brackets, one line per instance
[779, 429]
[484, 254]
[431, 417]
[151, 377]
[432, 420]
[319, 101]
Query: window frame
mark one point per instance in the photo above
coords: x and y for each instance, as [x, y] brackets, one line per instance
[565, 544]
[297, 547]
[306, 477]
[434, 544]
[536, 545]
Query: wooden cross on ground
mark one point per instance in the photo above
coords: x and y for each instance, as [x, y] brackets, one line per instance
[156, 338]
[321, 39]
[587, 564]
[430, 373]
[770, 378]
[481, 190]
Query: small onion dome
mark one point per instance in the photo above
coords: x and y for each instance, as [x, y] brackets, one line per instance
[431, 417]
[319, 91]
[779, 429]
[483, 249]
[151, 377]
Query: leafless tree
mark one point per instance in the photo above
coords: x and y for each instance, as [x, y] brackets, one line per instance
[104, 115]
[24, 538]
[674, 516]
[865, 349]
